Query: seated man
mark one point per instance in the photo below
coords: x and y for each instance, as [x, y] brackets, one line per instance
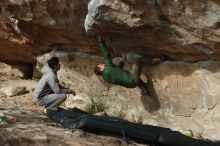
[49, 92]
[115, 74]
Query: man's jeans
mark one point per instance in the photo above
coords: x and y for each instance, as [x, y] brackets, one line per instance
[52, 101]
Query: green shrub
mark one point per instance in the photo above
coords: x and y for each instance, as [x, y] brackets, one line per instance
[95, 105]
[119, 114]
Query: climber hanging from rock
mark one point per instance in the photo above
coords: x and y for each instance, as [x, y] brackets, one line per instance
[115, 74]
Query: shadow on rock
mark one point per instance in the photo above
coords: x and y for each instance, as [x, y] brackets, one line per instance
[149, 97]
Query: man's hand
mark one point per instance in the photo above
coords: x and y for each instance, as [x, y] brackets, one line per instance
[102, 40]
[73, 92]
[65, 85]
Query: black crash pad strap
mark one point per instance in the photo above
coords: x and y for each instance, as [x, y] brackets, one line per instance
[74, 126]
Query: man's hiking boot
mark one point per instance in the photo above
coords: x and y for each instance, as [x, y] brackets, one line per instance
[144, 88]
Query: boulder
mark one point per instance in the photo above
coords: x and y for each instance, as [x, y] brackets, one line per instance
[13, 90]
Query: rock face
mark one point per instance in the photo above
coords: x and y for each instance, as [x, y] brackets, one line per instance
[28, 127]
[184, 30]
[30, 28]
[13, 90]
[184, 96]
[18, 70]
[189, 95]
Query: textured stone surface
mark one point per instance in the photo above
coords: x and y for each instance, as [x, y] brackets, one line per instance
[29, 28]
[34, 128]
[17, 70]
[183, 95]
[184, 30]
[13, 90]
[25, 124]
[188, 94]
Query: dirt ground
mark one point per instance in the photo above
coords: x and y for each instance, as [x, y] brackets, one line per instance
[25, 124]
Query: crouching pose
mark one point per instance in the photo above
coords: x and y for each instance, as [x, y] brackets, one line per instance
[49, 92]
